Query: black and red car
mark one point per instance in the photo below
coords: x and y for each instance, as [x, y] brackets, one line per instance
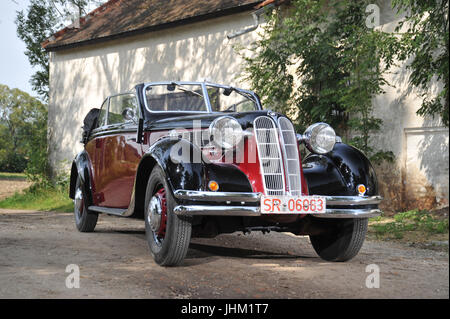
[197, 159]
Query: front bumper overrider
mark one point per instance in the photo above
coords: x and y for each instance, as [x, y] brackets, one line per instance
[246, 204]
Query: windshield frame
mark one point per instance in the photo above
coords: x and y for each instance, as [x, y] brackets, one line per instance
[204, 86]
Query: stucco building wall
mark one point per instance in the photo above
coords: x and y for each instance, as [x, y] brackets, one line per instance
[419, 176]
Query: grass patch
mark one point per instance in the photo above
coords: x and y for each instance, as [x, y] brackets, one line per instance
[412, 226]
[40, 199]
[12, 176]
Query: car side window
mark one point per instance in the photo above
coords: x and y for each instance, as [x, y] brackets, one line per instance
[102, 115]
[122, 109]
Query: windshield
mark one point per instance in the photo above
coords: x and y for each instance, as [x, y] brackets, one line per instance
[173, 97]
[230, 100]
[189, 98]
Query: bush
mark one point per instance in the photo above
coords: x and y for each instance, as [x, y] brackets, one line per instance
[23, 134]
[12, 162]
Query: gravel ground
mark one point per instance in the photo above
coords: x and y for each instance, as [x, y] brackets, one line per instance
[114, 262]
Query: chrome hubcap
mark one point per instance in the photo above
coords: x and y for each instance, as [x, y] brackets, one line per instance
[157, 216]
[154, 214]
[78, 201]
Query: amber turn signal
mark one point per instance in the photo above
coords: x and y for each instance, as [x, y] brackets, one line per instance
[361, 189]
[213, 185]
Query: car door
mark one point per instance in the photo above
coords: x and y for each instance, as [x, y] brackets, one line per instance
[94, 148]
[119, 153]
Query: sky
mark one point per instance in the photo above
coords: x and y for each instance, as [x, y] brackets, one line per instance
[15, 70]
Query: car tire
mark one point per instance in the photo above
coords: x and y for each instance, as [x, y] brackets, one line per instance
[168, 235]
[342, 240]
[85, 220]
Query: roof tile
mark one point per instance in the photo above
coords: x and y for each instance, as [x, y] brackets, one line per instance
[118, 18]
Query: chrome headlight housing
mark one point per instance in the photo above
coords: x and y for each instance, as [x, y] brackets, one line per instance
[226, 132]
[320, 138]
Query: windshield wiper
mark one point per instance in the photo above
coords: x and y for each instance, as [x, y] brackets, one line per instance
[228, 91]
[182, 88]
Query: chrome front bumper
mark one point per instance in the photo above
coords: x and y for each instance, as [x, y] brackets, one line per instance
[337, 206]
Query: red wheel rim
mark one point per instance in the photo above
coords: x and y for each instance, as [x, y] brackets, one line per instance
[161, 195]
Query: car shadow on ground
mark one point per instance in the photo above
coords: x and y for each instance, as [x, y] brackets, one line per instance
[122, 231]
[201, 251]
[204, 253]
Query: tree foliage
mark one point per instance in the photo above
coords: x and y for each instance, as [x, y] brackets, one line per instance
[426, 40]
[23, 133]
[40, 21]
[317, 61]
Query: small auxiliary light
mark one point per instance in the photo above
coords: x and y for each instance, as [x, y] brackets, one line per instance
[361, 189]
[213, 185]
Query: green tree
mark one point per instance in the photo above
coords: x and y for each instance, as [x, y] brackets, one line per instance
[41, 20]
[426, 40]
[23, 132]
[336, 59]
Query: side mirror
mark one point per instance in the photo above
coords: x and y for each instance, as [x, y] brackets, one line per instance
[129, 114]
[227, 91]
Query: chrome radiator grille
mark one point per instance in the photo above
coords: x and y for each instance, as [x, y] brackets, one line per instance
[271, 155]
[291, 158]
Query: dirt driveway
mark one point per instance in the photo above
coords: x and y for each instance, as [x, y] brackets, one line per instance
[114, 262]
[9, 187]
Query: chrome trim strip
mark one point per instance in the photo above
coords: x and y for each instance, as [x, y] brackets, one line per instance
[352, 200]
[255, 210]
[217, 196]
[204, 210]
[349, 213]
[107, 210]
[113, 131]
[205, 97]
[198, 210]
[255, 197]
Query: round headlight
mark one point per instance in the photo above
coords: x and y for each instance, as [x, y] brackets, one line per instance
[320, 138]
[226, 132]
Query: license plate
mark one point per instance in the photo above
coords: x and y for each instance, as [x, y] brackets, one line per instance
[293, 204]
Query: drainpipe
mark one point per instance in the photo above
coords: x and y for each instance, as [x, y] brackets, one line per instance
[256, 18]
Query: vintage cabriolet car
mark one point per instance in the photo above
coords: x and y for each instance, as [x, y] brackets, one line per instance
[197, 159]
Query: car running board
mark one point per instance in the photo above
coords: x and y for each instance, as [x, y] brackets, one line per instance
[110, 211]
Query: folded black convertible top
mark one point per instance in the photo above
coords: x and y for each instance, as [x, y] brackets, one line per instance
[89, 123]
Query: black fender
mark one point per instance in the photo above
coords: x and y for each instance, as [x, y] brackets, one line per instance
[184, 173]
[181, 161]
[81, 167]
[229, 177]
[339, 172]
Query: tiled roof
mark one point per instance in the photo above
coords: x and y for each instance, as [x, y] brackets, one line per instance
[118, 18]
